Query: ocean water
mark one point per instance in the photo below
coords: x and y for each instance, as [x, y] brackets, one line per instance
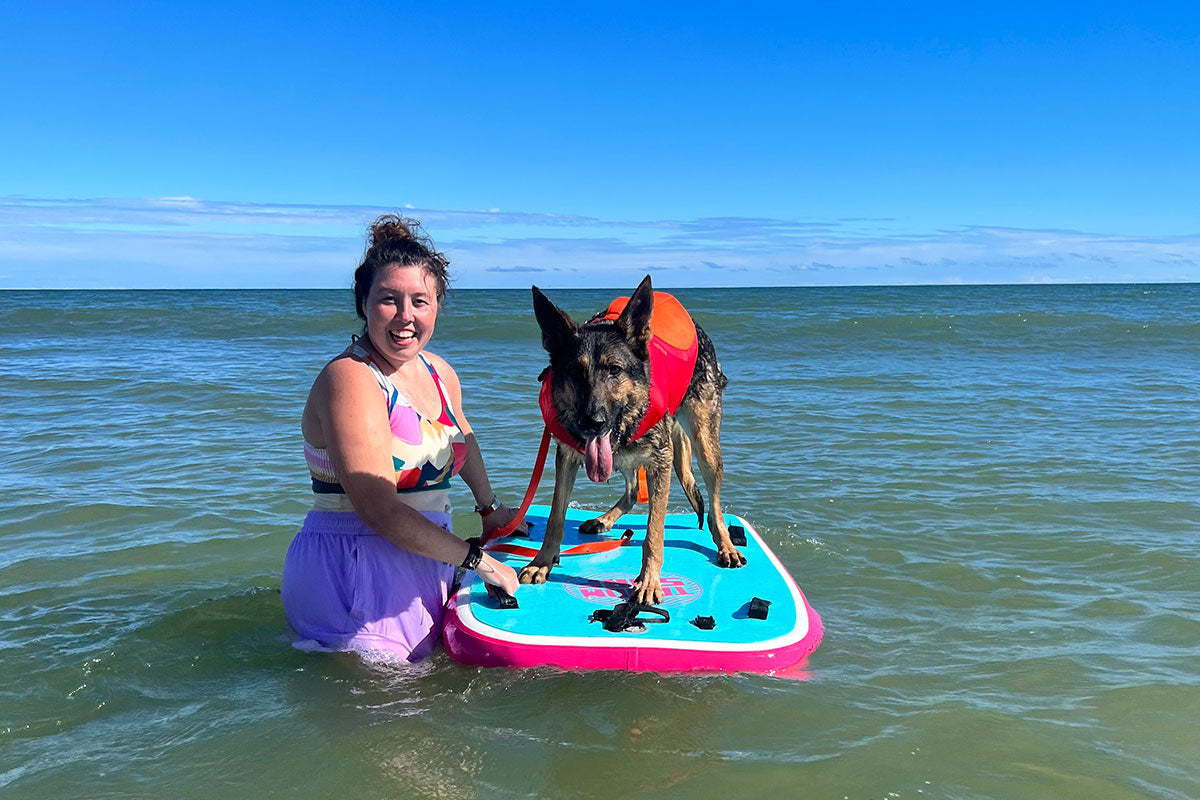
[990, 494]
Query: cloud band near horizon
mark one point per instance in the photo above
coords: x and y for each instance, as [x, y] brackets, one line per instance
[183, 242]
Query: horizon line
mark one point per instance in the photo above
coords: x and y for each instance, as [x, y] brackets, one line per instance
[948, 285]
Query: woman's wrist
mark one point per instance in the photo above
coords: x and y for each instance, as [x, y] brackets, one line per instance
[487, 508]
[474, 554]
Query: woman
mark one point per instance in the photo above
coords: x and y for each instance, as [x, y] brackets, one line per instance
[384, 431]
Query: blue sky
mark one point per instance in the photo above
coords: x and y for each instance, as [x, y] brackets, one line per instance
[204, 145]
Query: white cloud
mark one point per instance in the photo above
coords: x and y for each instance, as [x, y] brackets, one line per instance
[185, 241]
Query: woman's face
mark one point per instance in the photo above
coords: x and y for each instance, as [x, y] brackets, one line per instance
[401, 309]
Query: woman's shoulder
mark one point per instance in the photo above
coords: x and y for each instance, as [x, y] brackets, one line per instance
[441, 366]
[345, 383]
[437, 361]
[350, 369]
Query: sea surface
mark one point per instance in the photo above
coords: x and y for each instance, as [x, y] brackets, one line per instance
[990, 494]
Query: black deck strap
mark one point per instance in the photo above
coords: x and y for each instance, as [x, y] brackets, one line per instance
[705, 623]
[502, 598]
[737, 535]
[624, 616]
[758, 608]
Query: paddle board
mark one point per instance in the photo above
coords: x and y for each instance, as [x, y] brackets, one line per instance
[715, 623]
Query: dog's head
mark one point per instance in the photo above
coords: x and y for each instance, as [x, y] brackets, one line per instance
[599, 374]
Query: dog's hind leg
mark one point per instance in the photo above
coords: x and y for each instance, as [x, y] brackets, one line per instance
[605, 521]
[704, 416]
[682, 445]
[566, 467]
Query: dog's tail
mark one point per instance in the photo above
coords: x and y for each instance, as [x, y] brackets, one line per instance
[682, 446]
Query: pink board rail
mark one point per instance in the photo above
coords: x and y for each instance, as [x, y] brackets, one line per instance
[553, 624]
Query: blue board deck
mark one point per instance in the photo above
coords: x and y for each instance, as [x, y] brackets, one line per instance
[554, 622]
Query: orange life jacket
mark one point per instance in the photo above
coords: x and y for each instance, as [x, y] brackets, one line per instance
[672, 354]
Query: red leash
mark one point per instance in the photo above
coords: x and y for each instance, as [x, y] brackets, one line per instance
[602, 546]
[538, 466]
[580, 549]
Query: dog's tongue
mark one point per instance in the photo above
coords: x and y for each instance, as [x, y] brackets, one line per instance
[597, 456]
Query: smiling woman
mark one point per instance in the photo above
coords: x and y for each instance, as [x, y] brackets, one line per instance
[384, 432]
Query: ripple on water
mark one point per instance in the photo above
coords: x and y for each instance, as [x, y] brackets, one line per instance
[989, 494]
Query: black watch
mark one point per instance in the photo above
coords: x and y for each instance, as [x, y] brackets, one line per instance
[474, 554]
[489, 508]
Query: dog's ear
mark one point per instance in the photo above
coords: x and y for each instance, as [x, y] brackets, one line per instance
[634, 321]
[557, 327]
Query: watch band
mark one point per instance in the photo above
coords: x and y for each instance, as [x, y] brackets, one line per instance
[489, 508]
[474, 554]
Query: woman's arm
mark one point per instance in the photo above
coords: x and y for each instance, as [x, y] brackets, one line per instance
[352, 415]
[473, 471]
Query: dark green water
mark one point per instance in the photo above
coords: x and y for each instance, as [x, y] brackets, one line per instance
[990, 494]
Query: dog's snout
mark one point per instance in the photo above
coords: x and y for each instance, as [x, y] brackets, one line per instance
[592, 424]
[593, 420]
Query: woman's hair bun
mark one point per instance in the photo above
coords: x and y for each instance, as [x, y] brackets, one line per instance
[391, 228]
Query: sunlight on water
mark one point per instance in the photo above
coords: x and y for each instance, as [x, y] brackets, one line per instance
[990, 494]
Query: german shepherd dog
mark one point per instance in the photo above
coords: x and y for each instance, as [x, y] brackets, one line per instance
[600, 388]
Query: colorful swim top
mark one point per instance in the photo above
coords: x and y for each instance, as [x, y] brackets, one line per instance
[425, 452]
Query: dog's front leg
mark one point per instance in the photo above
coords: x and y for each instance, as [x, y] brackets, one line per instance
[648, 589]
[605, 521]
[566, 467]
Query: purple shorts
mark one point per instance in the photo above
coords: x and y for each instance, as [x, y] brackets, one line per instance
[345, 587]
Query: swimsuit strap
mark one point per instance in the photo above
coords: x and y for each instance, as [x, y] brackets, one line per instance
[437, 381]
[389, 388]
[360, 354]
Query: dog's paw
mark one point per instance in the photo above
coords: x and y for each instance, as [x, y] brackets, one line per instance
[595, 526]
[533, 573]
[647, 591]
[730, 558]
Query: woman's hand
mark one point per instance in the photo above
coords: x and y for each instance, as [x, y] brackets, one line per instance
[499, 518]
[497, 573]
